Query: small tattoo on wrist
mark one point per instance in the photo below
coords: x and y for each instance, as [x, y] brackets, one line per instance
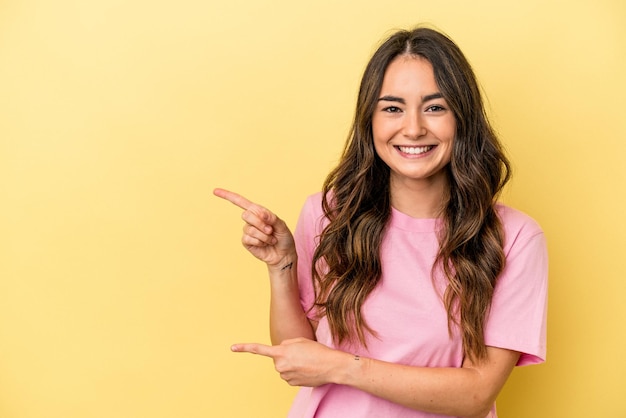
[357, 357]
[287, 267]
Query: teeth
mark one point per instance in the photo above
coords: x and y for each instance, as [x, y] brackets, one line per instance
[415, 150]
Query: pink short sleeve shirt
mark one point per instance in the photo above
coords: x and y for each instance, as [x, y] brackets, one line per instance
[408, 315]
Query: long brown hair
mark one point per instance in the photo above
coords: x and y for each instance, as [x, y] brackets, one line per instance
[357, 202]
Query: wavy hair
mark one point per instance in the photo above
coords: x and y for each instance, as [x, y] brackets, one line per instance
[357, 202]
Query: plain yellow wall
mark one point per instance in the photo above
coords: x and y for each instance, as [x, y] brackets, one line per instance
[122, 281]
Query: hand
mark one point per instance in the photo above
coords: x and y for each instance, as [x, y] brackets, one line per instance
[265, 235]
[300, 361]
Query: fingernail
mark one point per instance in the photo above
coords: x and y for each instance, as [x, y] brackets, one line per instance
[234, 348]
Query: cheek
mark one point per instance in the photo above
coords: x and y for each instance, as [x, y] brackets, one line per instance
[448, 135]
[452, 130]
[376, 134]
[381, 131]
[449, 151]
[375, 128]
[379, 139]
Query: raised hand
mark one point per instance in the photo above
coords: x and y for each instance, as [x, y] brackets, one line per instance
[302, 362]
[265, 235]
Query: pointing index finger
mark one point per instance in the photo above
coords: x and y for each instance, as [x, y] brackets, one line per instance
[233, 198]
[261, 349]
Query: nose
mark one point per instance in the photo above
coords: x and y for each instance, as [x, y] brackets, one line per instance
[413, 125]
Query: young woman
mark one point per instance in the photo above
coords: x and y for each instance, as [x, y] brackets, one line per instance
[408, 291]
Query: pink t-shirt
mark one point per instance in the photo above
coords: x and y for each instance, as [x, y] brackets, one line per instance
[407, 312]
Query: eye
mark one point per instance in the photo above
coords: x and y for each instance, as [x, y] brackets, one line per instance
[435, 108]
[392, 109]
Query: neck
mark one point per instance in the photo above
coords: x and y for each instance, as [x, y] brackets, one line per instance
[424, 199]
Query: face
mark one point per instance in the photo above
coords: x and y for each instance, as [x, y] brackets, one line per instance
[413, 127]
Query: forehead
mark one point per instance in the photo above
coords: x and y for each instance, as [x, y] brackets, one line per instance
[409, 73]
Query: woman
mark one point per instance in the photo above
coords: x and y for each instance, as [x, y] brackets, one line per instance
[408, 290]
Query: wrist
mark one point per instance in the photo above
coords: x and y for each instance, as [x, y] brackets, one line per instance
[285, 266]
[350, 369]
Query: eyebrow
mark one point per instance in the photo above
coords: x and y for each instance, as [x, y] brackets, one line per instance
[390, 98]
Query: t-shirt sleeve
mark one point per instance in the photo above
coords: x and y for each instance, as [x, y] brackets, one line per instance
[306, 238]
[517, 320]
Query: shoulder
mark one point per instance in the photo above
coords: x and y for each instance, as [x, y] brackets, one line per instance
[312, 207]
[514, 218]
[311, 218]
[518, 226]
[314, 201]
[517, 222]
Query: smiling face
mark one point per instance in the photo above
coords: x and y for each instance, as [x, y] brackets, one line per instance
[412, 125]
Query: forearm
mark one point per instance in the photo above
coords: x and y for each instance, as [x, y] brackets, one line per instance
[464, 392]
[436, 390]
[287, 317]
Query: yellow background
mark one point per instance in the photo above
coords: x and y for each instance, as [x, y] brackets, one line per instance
[122, 280]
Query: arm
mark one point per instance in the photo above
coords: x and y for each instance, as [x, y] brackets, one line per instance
[268, 238]
[287, 318]
[468, 391]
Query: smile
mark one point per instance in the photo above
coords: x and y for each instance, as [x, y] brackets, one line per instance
[415, 150]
